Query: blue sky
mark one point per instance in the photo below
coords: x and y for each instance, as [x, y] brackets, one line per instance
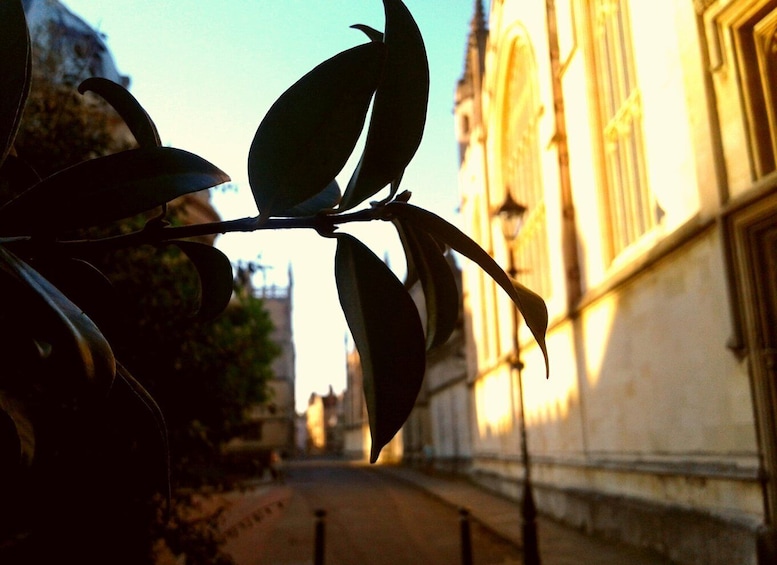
[208, 70]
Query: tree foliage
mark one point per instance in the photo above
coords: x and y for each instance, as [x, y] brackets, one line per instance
[62, 351]
[204, 373]
[218, 364]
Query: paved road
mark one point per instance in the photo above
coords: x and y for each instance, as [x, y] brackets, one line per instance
[372, 519]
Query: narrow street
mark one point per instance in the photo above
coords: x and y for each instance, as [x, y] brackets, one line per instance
[372, 519]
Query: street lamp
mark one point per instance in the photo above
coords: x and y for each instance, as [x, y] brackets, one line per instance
[511, 214]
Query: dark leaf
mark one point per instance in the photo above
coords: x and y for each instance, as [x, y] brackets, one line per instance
[531, 305]
[148, 402]
[108, 189]
[399, 112]
[387, 330]
[130, 110]
[17, 434]
[215, 272]
[86, 286]
[77, 347]
[370, 32]
[310, 132]
[16, 176]
[324, 200]
[411, 276]
[440, 291]
[15, 65]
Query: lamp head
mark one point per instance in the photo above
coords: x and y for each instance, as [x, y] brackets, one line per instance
[511, 215]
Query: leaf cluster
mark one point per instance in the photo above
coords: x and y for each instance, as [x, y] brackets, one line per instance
[302, 145]
[54, 296]
[141, 299]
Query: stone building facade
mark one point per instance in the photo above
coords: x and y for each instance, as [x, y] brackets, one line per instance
[272, 426]
[437, 435]
[76, 50]
[324, 424]
[274, 422]
[641, 138]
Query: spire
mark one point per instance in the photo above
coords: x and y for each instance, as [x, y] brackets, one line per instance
[478, 23]
[470, 84]
[478, 35]
[476, 42]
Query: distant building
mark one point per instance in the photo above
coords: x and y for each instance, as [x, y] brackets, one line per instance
[438, 432]
[301, 433]
[325, 423]
[356, 428]
[77, 51]
[315, 424]
[273, 423]
[333, 422]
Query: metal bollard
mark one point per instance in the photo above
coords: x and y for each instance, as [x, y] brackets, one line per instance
[318, 550]
[466, 537]
[531, 548]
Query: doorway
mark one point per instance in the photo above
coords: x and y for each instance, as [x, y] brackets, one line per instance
[754, 253]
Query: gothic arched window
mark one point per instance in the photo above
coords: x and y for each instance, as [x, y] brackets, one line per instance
[522, 167]
[756, 43]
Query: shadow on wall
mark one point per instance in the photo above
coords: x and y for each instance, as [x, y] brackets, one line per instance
[645, 411]
[643, 369]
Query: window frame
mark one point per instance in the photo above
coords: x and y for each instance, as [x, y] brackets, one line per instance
[749, 27]
[628, 204]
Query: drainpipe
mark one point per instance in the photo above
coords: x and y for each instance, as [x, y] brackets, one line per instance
[716, 137]
[569, 225]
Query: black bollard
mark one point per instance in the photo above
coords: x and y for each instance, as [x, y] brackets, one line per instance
[318, 550]
[531, 549]
[466, 537]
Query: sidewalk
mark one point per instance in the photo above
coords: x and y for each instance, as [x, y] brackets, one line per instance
[559, 545]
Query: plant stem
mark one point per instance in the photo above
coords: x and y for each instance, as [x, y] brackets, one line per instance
[157, 233]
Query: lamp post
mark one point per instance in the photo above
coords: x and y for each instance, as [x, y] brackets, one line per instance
[511, 215]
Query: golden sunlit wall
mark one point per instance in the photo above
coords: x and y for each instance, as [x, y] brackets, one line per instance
[494, 408]
[518, 155]
[644, 400]
[315, 424]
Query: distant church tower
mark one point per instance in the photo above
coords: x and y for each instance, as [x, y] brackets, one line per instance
[468, 100]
